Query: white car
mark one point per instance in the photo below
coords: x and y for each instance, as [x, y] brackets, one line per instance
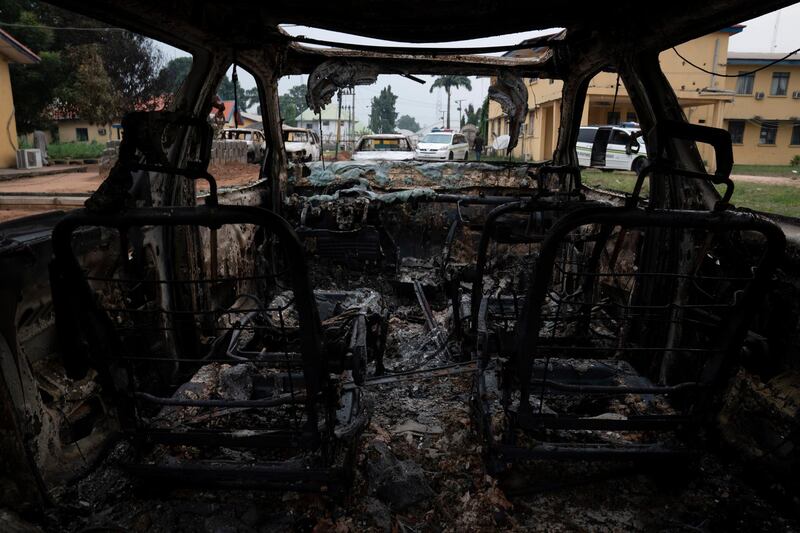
[611, 148]
[256, 142]
[442, 146]
[300, 144]
[383, 147]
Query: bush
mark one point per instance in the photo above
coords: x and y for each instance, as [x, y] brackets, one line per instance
[795, 162]
[75, 150]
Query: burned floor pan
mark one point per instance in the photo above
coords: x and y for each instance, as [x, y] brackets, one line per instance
[427, 423]
[237, 439]
[583, 417]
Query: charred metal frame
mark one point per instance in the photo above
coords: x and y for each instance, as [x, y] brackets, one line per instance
[519, 372]
[71, 290]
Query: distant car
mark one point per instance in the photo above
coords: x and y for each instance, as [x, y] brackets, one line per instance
[301, 144]
[385, 146]
[442, 146]
[256, 142]
[611, 148]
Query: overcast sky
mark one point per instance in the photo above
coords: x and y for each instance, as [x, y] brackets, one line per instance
[416, 100]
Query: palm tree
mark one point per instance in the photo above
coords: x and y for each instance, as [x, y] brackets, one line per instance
[451, 81]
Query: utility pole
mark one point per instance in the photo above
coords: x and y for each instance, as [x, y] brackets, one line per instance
[459, 112]
[338, 127]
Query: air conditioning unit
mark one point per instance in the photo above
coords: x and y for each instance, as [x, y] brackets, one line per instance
[29, 158]
[796, 95]
[759, 96]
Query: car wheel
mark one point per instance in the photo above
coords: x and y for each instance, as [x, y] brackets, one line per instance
[637, 164]
[450, 157]
[251, 158]
[466, 155]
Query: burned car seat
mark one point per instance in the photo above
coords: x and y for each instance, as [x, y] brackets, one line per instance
[214, 378]
[614, 356]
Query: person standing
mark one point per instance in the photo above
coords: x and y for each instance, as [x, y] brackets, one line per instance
[477, 145]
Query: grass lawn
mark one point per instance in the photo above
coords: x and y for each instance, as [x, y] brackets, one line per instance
[766, 170]
[779, 199]
[91, 150]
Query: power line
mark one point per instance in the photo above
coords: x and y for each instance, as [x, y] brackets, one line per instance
[741, 73]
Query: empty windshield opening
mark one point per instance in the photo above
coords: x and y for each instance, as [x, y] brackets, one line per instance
[383, 145]
[295, 136]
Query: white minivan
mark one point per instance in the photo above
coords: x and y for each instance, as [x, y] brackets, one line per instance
[611, 148]
[442, 146]
[301, 144]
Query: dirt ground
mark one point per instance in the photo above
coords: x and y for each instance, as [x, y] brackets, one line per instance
[80, 183]
[67, 183]
[87, 182]
[767, 180]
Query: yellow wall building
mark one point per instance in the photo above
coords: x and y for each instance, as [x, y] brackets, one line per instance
[79, 130]
[708, 99]
[11, 51]
[764, 117]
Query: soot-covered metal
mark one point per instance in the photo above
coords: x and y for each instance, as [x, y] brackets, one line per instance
[402, 346]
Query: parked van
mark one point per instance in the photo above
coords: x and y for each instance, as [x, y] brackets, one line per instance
[301, 144]
[611, 148]
[442, 145]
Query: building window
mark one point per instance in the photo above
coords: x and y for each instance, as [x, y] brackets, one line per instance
[631, 117]
[612, 117]
[769, 131]
[795, 134]
[736, 129]
[81, 134]
[744, 83]
[780, 84]
[326, 123]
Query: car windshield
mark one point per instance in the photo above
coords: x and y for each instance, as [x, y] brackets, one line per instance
[383, 145]
[438, 138]
[238, 135]
[295, 136]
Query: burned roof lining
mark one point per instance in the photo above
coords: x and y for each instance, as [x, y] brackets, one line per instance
[211, 25]
[303, 60]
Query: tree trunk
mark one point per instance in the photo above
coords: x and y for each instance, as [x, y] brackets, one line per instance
[447, 90]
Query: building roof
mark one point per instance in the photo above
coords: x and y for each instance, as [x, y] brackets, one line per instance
[250, 116]
[15, 51]
[761, 58]
[329, 113]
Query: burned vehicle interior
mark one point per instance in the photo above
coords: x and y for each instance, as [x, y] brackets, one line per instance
[404, 345]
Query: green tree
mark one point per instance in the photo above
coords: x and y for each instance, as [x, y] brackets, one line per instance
[90, 93]
[251, 98]
[225, 91]
[447, 83]
[292, 104]
[407, 122]
[483, 121]
[173, 74]
[471, 116]
[383, 116]
[128, 61]
[35, 88]
[132, 63]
